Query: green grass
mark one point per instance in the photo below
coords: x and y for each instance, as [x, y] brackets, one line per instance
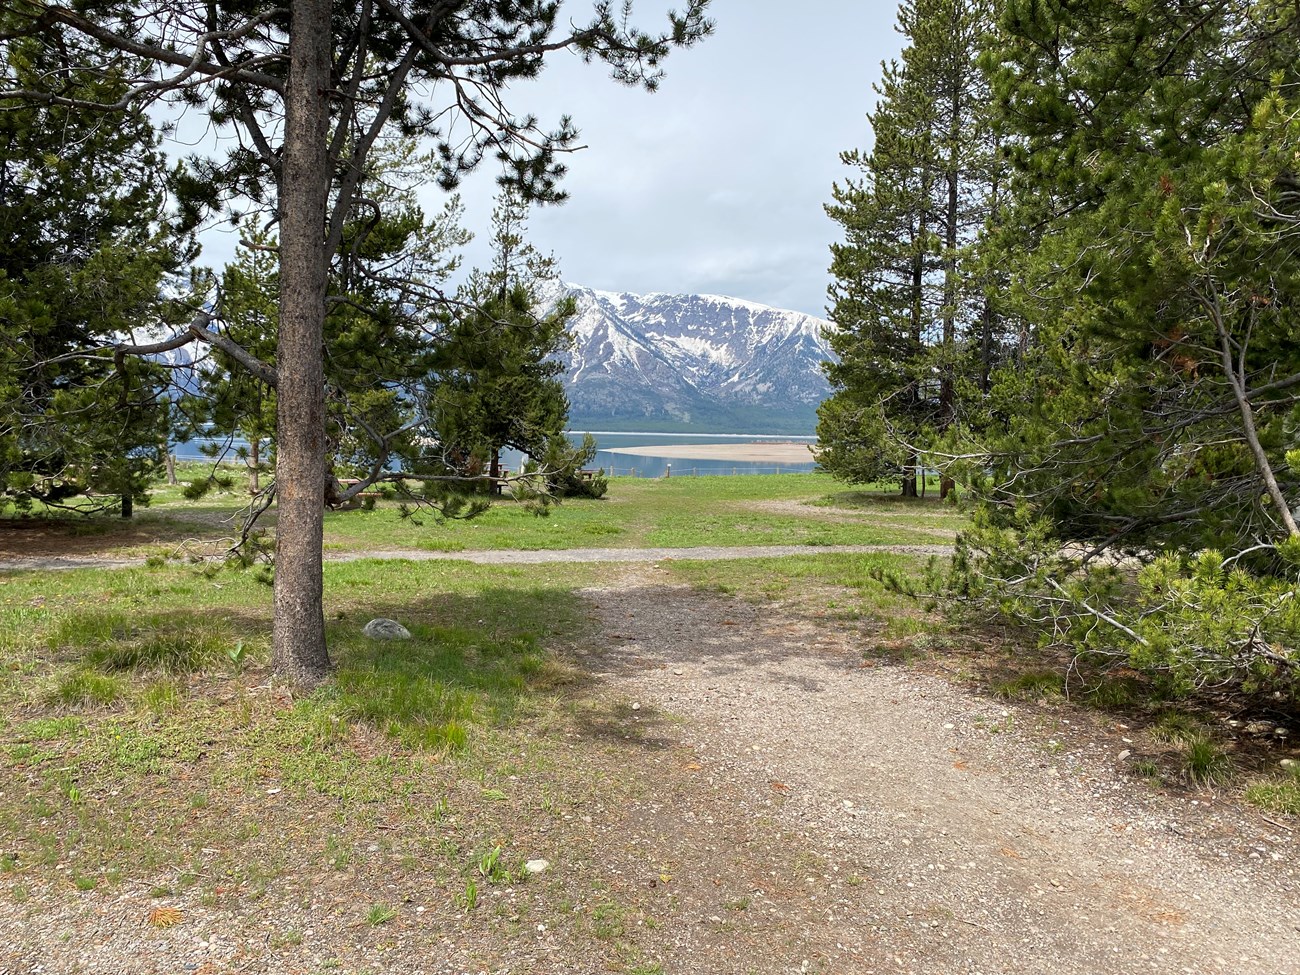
[1204, 762]
[637, 512]
[1176, 726]
[191, 747]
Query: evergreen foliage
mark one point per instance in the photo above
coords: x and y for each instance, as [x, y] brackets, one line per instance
[1154, 424]
[1134, 461]
[88, 253]
[908, 305]
[310, 89]
[496, 377]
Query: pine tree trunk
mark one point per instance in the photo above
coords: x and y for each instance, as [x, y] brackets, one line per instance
[254, 482]
[917, 310]
[298, 649]
[128, 504]
[171, 467]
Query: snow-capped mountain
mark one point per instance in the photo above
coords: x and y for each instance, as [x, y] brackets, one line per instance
[698, 360]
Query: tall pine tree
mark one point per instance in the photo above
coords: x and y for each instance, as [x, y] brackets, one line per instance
[906, 299]
[87, 254]
[1154, 416]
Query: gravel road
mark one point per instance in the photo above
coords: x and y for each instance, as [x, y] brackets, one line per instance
[948, 833]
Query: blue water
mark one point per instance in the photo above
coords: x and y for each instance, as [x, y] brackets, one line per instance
[614, 464]
[637, 466]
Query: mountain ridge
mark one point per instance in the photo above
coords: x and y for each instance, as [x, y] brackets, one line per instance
[664, 361]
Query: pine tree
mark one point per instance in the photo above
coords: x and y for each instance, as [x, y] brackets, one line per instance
[87, 254]
[1153, 415]
[311, 87]
[496, 378]
[905, 299]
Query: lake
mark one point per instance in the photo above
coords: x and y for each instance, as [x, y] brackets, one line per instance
[677, 453]
[680, 452]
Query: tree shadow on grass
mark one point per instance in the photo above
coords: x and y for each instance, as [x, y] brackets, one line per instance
[486, 658]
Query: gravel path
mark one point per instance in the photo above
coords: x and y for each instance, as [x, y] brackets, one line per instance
[17, 563]
[947, 835]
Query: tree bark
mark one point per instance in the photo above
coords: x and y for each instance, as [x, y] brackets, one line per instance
[298, 649]
[1236, 376]
[254, 459]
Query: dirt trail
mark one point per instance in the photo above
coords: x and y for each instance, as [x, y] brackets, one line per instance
[944, 833]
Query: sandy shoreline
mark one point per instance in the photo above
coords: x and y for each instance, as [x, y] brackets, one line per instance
[770, 453]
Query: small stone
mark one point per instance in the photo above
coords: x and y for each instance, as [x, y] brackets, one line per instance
[537, 866]
[636, 705]
[382, 629]
[677, 672]
[1125, 754]
[1288, 763]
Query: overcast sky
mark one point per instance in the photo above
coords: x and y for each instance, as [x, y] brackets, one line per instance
[716, 182]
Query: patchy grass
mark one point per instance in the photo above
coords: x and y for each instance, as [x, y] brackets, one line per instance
[1032, 685]
[1176, 727]
[833, 587]
[1281, 796]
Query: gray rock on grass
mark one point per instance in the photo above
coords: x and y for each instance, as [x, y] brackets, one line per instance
[382, 629]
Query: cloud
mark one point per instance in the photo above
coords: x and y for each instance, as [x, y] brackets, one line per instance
[717, 181]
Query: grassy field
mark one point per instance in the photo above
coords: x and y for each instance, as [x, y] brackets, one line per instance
[145, 747]
[791, 509]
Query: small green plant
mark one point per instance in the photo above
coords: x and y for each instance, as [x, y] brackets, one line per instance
[87, 687]
[238, 655]
[287, 938]
[1114, 694]
[1205, 763]
[608, 921]
[338, 855]
[469, 899]
[1149, 769]
[490, 867]
[380, 914]
[8, 863]
[83, 883]
[161, 696]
